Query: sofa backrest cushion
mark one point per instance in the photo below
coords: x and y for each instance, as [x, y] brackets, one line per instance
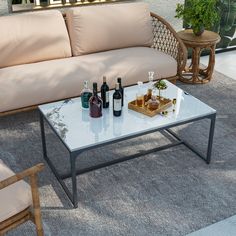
[33, 37]
[101, 28]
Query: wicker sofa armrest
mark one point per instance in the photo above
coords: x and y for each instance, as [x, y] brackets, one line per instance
[17, 177]
[167, 40]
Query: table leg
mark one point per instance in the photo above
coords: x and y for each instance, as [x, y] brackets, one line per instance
[73, 179]
[191, 74]
[194, 74]
[207, 157]
[208, 72]
[43, 135]
[72, 196]
[210, 140]
[195, 68]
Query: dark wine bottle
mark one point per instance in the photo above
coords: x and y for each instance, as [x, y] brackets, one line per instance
[86, 93]
[117, 101]
[121, 90]
[105, 93]
[95, 103]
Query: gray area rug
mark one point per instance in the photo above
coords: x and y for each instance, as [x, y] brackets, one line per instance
[172, 192]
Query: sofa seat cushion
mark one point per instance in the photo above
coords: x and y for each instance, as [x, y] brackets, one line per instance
[30, 84]
[33, 37]
[14, 198]
[101, 28]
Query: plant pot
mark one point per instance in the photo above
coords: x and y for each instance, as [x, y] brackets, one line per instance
[198, 31]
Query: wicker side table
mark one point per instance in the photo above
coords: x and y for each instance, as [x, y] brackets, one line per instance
[193, 74]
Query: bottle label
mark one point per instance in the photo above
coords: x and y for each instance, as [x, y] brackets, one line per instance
[85, 99]
[117, 104]
[107, 96]
[95, 106]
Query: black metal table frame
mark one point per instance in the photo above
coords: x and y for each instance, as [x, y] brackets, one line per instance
[73, 196]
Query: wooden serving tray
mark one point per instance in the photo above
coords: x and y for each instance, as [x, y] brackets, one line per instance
[164, 104]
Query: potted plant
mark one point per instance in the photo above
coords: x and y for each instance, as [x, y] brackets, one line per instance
[198, 14]
[160, 85]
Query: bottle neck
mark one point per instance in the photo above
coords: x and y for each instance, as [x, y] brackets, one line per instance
[95, 89]
[86, 85]
[104, 80]
[119, 81]
[117, 87]
[95, 92]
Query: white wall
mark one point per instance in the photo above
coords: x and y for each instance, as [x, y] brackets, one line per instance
[165, 8]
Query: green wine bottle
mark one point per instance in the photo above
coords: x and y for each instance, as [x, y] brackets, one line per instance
[86, 93]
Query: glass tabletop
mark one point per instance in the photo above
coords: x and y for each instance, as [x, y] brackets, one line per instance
[79, 131]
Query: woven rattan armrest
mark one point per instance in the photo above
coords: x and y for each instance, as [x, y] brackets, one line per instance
[17, 177]
[167, 40]
[33, 214]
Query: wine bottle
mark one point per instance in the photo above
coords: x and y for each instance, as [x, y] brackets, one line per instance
[117, 101]
[105, 93]
[86, 93]
[95, 103]
[121, 90]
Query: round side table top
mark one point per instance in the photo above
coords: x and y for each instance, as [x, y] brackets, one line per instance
[207, 37]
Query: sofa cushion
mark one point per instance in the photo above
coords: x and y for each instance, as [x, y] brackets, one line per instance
[30, 84]
[33, 37]
[14, 198]
[100, 28]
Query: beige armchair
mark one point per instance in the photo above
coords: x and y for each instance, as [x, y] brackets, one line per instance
[19, 201]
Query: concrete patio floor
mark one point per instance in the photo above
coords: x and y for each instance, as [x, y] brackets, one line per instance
[225, 63]
[225, 227]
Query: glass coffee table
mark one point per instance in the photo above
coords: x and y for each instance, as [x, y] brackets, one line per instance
[78, 132]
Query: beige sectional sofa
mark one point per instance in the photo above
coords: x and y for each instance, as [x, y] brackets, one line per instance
[45, 56]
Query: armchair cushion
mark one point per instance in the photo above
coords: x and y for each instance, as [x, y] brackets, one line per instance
[14, 198]
[33, 37]
[101, 28]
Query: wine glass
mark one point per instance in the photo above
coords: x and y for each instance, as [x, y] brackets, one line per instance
[151, 78]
